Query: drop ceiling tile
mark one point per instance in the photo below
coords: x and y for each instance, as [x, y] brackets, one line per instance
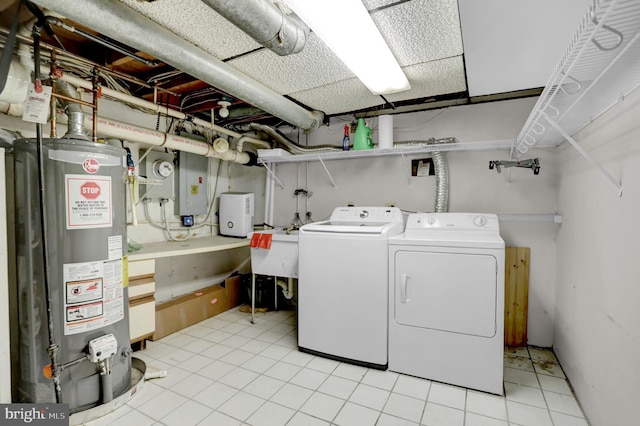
[314, 66]
[197, 23]
[421, 30]
[340, 96]
[432, 79]
[374, 4]
[427, 79]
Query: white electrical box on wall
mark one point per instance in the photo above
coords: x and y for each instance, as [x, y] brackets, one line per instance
[191, 183]
[157, 167]
[236, 214]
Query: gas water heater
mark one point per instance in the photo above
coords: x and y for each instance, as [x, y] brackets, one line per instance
[84, 226]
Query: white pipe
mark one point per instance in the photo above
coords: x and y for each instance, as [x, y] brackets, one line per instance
[155, 374]
[5, 330]
[14, 110]
[120, 130]
[287, 288]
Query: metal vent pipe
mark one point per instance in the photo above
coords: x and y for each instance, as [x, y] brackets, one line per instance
[265, 23]
[120, 22]
[441, 170]
[75, 123]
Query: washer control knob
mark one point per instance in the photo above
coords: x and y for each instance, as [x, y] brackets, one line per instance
[480, 220]
[364, 214]
[431, 220]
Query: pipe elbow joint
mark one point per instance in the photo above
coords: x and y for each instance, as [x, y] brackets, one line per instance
[253, 159]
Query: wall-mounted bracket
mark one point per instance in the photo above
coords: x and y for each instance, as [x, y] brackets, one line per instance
[273, 175]
[406, 169]
[584, 153]
[533, 164]
[333, 182]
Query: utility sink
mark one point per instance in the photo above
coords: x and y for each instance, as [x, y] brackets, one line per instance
[281, 260]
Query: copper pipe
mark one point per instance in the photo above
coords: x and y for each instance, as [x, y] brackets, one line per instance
[70, 99]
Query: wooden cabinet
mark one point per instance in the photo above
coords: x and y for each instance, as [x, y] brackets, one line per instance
[142, 303]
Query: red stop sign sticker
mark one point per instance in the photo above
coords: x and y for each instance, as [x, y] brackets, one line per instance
[90, 190]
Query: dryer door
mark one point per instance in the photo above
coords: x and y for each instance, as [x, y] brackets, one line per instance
[450, 292]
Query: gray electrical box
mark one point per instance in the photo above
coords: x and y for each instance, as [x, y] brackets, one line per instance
[191, 181]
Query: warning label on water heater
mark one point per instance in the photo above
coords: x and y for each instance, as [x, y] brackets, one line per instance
[88, 201]
[94, 296]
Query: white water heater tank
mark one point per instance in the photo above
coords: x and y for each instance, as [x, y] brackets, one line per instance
[236, 214]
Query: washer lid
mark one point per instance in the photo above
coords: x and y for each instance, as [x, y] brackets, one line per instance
[344, 227]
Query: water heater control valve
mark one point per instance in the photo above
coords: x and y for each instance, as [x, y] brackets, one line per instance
[102, 347]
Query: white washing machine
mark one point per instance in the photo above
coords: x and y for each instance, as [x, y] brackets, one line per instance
[446, 300]
[343, 284]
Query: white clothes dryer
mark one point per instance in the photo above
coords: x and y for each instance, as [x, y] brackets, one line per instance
[343, 284]
[446, 300]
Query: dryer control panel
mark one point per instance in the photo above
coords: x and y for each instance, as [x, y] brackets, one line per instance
[453, 221]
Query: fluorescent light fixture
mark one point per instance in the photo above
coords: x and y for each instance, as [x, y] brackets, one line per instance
[346, 27]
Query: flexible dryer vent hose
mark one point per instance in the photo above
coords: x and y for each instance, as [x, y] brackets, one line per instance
[441, 169]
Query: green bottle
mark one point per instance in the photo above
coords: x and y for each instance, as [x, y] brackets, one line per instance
[362, 136]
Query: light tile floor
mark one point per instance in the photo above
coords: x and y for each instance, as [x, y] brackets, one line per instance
[225, 371]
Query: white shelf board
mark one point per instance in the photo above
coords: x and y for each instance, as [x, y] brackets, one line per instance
[402, 150]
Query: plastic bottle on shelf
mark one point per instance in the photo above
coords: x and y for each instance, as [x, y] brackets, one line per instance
[345, 139]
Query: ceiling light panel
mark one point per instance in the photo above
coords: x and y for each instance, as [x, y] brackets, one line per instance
[197, 23]
[435, 35]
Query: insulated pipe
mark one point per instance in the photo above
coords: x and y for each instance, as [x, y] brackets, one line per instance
[252, 141]
[114, 19]
[265, 23]
[290, 145]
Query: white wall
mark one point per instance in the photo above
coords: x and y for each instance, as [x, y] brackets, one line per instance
[473, 187]
[597, 327]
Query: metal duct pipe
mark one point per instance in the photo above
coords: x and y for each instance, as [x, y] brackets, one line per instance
[114, 19]
[441, 169]
[75, 123]
[265, 23]
[288, 144]
[442, 181]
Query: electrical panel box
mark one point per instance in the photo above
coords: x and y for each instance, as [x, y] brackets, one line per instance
[192, 184]
[157, 167]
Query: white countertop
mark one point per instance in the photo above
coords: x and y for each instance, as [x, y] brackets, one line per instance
[192, 246]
